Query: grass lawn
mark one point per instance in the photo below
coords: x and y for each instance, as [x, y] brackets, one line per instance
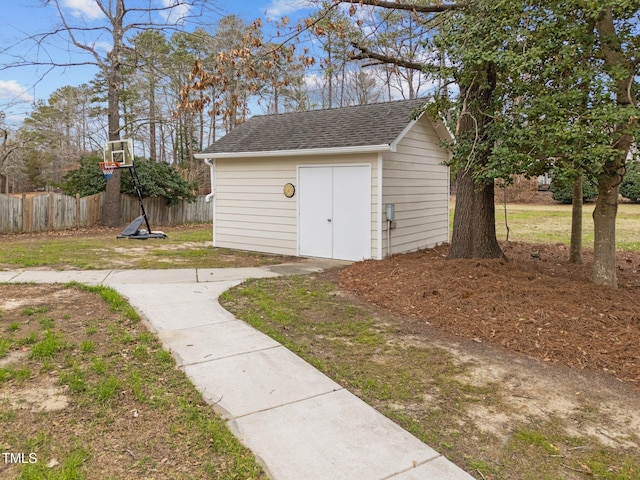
[552, 224]
[87, 392]
[186, 247]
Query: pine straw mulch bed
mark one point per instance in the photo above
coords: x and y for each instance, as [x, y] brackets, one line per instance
[535, 303]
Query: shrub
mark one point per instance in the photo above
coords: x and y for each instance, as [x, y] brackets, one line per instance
[85, 180]
[630, 187]
[157, 179]
[562, 190]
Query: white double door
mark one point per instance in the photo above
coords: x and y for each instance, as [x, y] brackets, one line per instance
[334, 211]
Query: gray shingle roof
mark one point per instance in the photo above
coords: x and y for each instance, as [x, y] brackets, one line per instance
[375, 124]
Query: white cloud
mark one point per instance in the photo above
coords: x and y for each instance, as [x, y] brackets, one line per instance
[178, 10]
[102, 46]
[279, 8]
[12, 90]
[88, 9]
[15, 120]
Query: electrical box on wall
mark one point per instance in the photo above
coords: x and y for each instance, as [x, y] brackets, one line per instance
[390, 211]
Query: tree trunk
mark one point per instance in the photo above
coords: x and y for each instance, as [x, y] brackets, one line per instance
[111, 211]
[604, 226]
[575, 250]
[153, 149]
[604, 215]
[474, 220]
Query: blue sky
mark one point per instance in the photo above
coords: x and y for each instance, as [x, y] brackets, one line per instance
[20, 87]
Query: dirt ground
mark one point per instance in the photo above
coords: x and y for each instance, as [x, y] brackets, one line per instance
[536, 303]
[558, 344]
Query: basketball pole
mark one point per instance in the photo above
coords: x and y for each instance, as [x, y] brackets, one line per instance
[136, 185]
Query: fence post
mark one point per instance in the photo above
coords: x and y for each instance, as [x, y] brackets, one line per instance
[28, 213]
[26, 218]
[77, 210]
[50, 224]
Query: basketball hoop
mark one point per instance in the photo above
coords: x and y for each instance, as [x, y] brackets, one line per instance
[108, 168]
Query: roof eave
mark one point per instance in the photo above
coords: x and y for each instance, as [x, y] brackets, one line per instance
[302, 152]
[439, 126]
[394, 144]
[443, 132]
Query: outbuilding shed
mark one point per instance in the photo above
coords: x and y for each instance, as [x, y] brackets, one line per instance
[347, 183]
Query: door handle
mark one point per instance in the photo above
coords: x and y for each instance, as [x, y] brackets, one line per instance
[329, 220]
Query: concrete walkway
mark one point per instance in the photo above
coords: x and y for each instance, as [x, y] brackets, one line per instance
[299, 423]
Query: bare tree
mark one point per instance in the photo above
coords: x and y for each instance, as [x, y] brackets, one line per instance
[108, 22]
[7, 146]
[245, 68]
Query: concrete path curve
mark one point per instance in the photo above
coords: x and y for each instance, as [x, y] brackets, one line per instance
[300, 424]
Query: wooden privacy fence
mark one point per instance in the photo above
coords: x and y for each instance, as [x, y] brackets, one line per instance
[160, 214]
[55, 211]
[46, 212]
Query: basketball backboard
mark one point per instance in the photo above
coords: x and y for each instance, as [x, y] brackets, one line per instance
[119, 151]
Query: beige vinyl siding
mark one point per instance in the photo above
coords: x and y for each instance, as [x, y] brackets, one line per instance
[252, 212]
[375, 215]
[417, 182]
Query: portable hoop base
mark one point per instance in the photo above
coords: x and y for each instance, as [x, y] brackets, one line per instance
[134, 232]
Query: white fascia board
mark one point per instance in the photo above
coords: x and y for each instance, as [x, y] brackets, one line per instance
[297, 153]
[394, 144]
[440, 128]
[443, 131]
[409, 126]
